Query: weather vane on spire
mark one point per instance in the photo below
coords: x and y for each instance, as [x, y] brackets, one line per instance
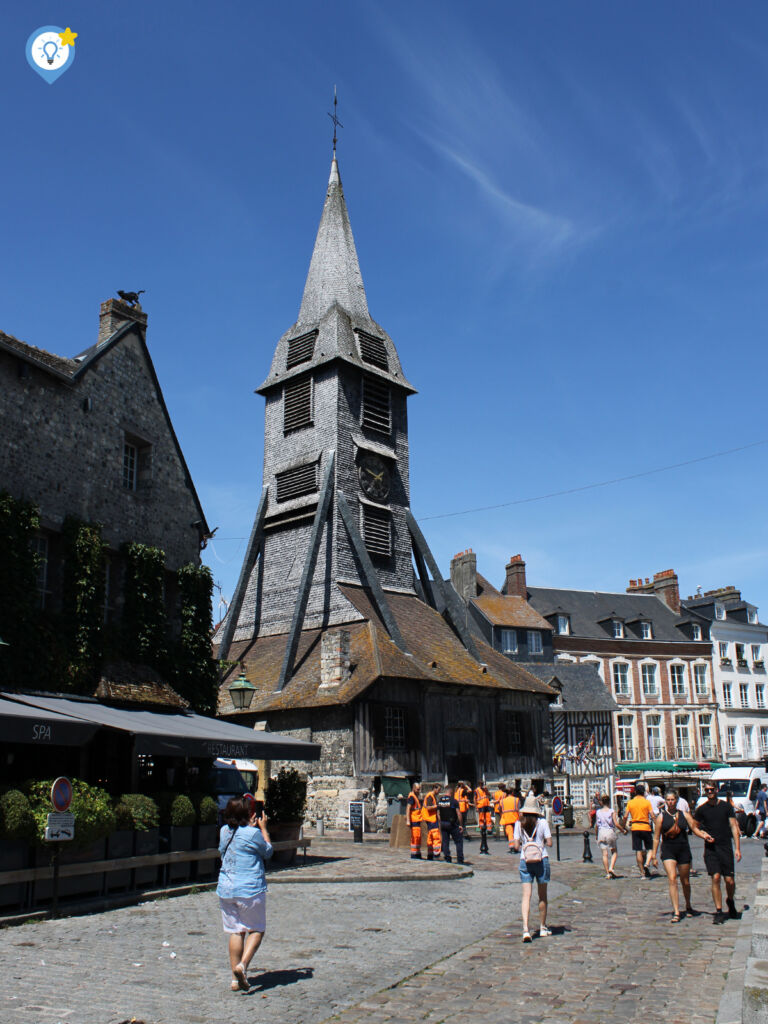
[336, 122]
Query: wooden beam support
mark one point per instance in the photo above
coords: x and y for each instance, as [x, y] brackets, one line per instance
[369, 573]
[305, 585]
[252, 553]
[452, 609]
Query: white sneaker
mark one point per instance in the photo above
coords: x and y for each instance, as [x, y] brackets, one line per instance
[544, 931]
[527, 937]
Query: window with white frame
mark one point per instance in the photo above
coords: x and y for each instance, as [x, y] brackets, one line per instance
[618, 629]
[646, 630]
[650, 686]
[756, 655]
[682, 736]
[534, 641]
[764, 739]
[563, 625]
[749, 739]
[626, 746]
[696, 631]
[130, 465]
[719, 611]
[509, 641]
[744, 694]
[677, 676]
[705, 735]
[700, 679]
[730, 739]
[741, 653]
[559, 787]
[653, 737]
[723, 649]
[621, 678]
[577, 793]
[760, 695]
[594, 786]
[727, 695]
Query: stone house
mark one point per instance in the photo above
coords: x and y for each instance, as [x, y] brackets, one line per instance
[341, 641]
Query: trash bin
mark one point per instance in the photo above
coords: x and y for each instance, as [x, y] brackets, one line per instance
[568, 818]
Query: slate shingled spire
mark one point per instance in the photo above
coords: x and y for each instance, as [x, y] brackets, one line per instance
[334, 271]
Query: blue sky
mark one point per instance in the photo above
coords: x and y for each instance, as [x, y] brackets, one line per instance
[561, 213]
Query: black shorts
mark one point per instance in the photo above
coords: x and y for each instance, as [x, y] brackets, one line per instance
[718, 860]
[681, 852]
[642, 840]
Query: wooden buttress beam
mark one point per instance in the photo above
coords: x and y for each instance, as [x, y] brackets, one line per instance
[255, 542]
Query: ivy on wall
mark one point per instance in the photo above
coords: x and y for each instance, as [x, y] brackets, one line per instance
[145, 622]
[82, 616]
[193, 673]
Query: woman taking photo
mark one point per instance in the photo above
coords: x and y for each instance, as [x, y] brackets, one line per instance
[607, 825]
[242, 890]
[531, 839]
[670, 829]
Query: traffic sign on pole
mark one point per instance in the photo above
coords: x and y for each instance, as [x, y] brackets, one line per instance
[61, 794]
[557, 805]
[60, 827]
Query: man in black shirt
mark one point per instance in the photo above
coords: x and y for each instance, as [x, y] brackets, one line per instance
[448, 809]
[717, 818]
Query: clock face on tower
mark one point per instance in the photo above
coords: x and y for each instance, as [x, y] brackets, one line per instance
[374, 477]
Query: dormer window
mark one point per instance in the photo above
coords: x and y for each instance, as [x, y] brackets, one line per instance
[752, 616]
[618, 629]
[646, 630]
[563, 625]
[696, 631]
[534, 641]
[719, 611]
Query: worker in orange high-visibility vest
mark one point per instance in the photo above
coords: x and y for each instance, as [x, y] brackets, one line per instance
[413, 819]
[462, 795]
[510, 815]
[483, 805]
[430, 816]
[498, 796]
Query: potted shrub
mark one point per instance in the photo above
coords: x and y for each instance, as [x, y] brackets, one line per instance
[207, 833]
[285, 804]
[119, 845]
[17, 832]
[94, 820]
[146, 839]
[178, 828]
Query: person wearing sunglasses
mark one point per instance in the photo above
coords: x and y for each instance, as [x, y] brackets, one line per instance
[718, 819]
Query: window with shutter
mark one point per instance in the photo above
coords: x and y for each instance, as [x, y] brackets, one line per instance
[297, 404]
[300, 350]
[377, 413]
[377, 531]
[294, 483]
[373, 350]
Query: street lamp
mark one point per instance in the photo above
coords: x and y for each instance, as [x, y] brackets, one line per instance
[241, 691]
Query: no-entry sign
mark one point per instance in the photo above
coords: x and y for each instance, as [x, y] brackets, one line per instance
[61, 794]
[557, 805]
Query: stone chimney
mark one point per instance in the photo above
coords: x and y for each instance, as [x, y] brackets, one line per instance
[335, 666]
[664, 585]
[515, 583]
[464, 574]
[114, 313]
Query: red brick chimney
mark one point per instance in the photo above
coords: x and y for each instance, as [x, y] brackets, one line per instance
[664, 585]
[464, 574]
[114, 313]
[515, 583]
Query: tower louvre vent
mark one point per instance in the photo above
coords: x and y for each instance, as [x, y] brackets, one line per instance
[377, 531]
[297, 407]
[377, 414]
[373, 350]
[295, 483]
[301, 349]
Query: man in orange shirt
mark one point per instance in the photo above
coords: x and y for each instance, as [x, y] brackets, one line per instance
[431, 818]
[498, 795]
[510, 815]
[413, 820]
[483, 805]
[462, 794]
[640, 815]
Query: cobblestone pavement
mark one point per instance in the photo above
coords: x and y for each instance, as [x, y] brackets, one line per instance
[445, 951]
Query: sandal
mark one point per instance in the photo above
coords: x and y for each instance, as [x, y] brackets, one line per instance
[675, 919]
[235, 986]
[241, 977]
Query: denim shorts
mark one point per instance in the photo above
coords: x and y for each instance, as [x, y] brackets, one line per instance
[535, 872]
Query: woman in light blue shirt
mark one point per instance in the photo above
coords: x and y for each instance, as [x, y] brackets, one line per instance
[242, 890]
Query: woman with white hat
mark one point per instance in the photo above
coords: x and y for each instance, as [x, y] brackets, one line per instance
[531, 838]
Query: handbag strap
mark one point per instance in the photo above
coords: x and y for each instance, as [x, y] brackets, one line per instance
[234, 830]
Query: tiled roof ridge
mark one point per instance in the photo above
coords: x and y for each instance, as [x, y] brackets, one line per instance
[39, 355]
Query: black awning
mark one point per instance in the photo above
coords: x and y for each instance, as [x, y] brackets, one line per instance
[175, 734]
[20, 723]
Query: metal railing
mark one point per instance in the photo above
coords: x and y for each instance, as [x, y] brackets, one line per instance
[626, 753]
[684, 751]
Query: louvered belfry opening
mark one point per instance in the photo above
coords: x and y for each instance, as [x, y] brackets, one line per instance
[297, 407]
[377, 531]
[373, 350]
[296, 482]
[300, 350]
[377, 411]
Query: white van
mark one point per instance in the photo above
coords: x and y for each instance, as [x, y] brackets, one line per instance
[232, 778]
[744, 784]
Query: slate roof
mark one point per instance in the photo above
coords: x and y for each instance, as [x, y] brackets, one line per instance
[591, 611]
[582, 688]
[334, 302]
[704, 607]
[436, 656]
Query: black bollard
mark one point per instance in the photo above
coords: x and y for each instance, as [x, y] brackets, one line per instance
[587, 858]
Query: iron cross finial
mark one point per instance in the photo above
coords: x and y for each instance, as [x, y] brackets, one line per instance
[336, 122]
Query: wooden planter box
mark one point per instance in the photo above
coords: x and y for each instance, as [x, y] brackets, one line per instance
[119, 844]
[79, 885]
[280, 832]
[207, 836]
[178, 837]
[145, 843]
[14, 854]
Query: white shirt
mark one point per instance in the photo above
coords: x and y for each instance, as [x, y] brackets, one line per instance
[683, 805]
[540, 834]
[657, 802]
